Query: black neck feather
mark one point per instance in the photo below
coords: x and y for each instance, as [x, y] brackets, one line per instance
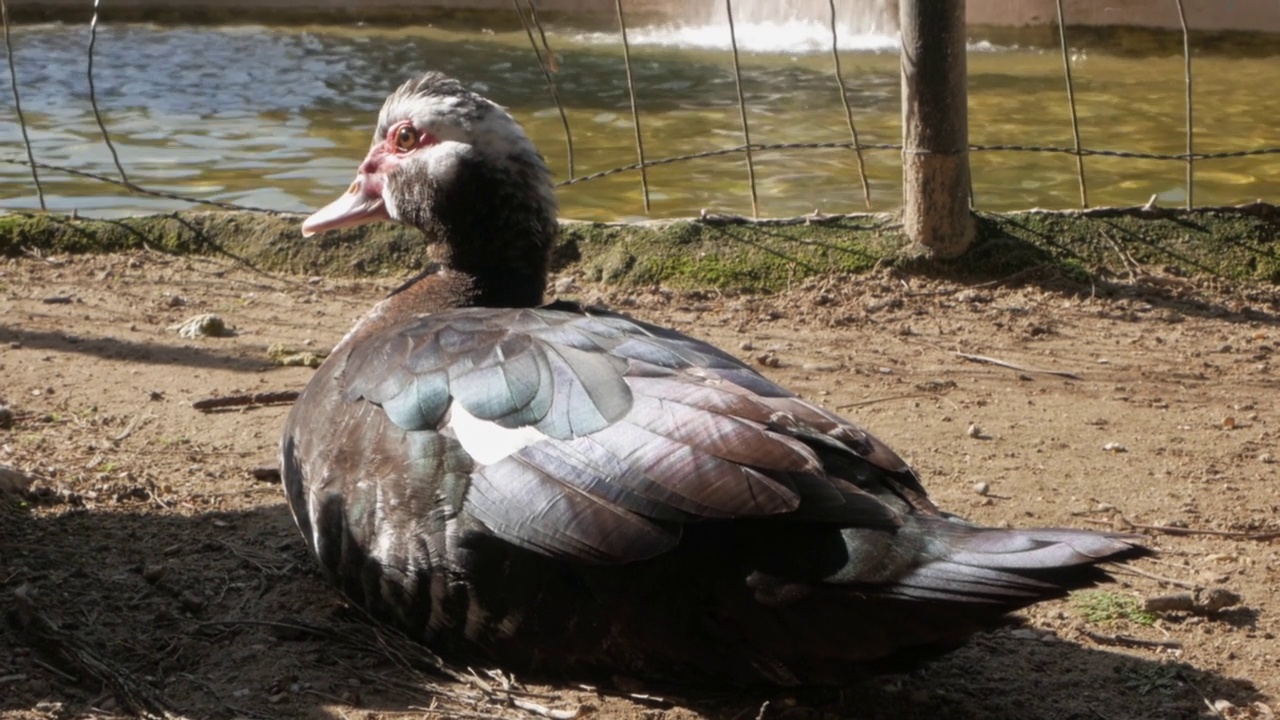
[495, 226]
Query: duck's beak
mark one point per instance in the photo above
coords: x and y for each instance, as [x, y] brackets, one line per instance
[361, 204]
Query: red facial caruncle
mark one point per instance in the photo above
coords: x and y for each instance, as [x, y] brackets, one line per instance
[363, 202]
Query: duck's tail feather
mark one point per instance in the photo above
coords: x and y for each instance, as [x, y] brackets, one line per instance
[1010, 569]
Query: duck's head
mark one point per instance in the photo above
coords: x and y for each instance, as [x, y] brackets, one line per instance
[457, 166]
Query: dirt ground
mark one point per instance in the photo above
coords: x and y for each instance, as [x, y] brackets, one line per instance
[147, 567]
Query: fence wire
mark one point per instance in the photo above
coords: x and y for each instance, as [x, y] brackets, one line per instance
[548, 65]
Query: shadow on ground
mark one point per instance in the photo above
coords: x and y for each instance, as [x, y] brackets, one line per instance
[222, 615]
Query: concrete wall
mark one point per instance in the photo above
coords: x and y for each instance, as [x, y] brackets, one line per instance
[1257, 15]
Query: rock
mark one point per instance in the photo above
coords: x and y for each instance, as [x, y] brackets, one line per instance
[974, 431]
[1115, 447]
[206, 325]
[285, 356]
[154, 573]
[13, 480]
[564, 285]
[981, 488]
[1199, 602]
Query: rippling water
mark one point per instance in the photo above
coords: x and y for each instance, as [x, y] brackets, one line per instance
[279, 118]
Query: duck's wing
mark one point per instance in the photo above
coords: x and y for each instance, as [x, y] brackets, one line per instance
[596, 437]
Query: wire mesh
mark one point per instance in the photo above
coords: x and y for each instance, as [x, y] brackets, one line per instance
[547, 63]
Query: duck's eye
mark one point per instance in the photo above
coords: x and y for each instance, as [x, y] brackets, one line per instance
[406, 138]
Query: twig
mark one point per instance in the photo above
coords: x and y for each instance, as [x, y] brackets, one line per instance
[848, 109]
[93, 99]
[1012, 366]
[1129, 640]
[1170, 530]
[17, 105]
[264, 398]
[544, 711]
[1186, 71]
[742, 109]
[1205, 698]
[128, 429]
[889, 398]
[635, 112]
[136, 696]
[64, 675]
[548, 67]
[1071, 102]
[1130, 570]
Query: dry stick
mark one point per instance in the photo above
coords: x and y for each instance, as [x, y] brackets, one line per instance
[136, 696]
[93, 98]
[1186, 60]
[265, 398]
[1129, 640]
[742, 109]
[1011, 366]
[635, 112]
[17, 105]
[890, 398]
[1129, 570]
[848, 110]
[1170, 530]
[548, 67]
[1071, 101]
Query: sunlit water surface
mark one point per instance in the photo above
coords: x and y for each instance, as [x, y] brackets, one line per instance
[279, 118]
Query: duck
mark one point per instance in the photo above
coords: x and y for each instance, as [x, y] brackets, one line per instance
[567, 491]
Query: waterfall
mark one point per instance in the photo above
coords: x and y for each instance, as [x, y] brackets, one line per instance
[796, 26]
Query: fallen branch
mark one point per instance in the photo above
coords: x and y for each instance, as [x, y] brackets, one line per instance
[1020, 368]
[230, 401]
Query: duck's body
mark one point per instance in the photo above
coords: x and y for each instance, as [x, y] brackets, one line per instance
[566, 489]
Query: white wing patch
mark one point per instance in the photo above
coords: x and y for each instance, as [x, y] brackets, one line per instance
[485, 441]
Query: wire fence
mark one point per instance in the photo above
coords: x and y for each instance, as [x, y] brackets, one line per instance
[546, 59]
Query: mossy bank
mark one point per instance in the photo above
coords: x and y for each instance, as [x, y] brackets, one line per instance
[1241, 243]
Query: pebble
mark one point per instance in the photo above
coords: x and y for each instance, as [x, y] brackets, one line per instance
[981, 488]
[191, 601]
[974, 431]
[1267, 458]
[746, 345]
[564, 285]
[154, 573]
[1115, 447]
[769, 360]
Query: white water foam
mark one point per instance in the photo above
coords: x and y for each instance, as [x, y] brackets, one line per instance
[787, 36]
[794, 37]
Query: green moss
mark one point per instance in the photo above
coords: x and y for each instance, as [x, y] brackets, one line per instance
[731, 254]
[1101, 606]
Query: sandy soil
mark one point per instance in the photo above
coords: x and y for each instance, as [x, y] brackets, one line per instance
[147, 567]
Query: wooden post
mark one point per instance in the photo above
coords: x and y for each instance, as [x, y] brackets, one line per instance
[935, 126]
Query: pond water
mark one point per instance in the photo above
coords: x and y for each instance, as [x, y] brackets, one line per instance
[279, 117]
